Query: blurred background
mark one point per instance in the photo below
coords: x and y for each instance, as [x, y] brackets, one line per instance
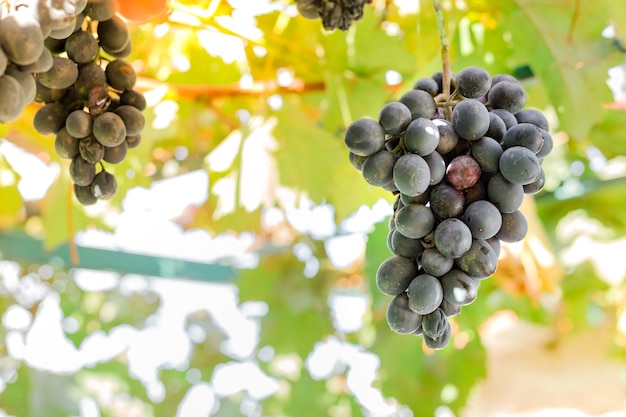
[233, 272]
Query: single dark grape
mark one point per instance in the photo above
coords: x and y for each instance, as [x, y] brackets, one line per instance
[497, 128]
[470, 119]
[486, 151]
[453, 238]
[81, 171]
[81, 47]
[441, 341]
[109, 129]
[427, 84]
[437, 167]
[411, 175]
[473, 82]
[116, 154]
[91, 150]
[459, 288]
[404, 246]
[394, 274]
[506, 196]
[419, 199]
[364, 137]
[435, 263]
[534, 117]
[65, 145]
[483, 219]
[133, 119]
[506, 116]
[11, 98]
[84, 195]
[134, 98]
[523, 134]
[445, 201]
[21, 37]
[78, 124]
[448, 139]
[420, 103]
[415, 221]
[356, 160]
[514, 227]
[65, 31]
[507, 95]
[400, 317]
[425, 294]
[120, 75]
[480, 261]
[463, 172]
[55, 46]
[44, 94]
[62, 74]
[519, 165]
[113, 35]
[50, 118]
[390, 186]
[421, 136]
[394, 117]
[378, 168]
[434, 324]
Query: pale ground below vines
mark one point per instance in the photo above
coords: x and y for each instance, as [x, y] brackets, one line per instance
[530, 375]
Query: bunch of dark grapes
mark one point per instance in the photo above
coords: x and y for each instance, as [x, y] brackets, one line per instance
[334, 13]
[459, 185]
[68, 55]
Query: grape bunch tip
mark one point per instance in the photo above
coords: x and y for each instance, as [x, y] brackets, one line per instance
[50, 53]
[458, 183]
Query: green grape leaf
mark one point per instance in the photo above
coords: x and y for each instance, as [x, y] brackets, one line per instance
[571, 63]
[603, 135]
[11, 206]
[297, 305]
[310, 159]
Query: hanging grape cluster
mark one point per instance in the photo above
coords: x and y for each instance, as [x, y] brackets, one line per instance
[334, 13]
[68, 55]
[459, 185]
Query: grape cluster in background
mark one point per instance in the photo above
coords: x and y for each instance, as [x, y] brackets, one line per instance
[335, 14]
[68, 55]
[459, 185]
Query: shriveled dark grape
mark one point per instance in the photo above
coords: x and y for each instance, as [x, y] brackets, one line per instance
[91, 150]
[441, 341]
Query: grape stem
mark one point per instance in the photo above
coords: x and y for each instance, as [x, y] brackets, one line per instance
[445, 57]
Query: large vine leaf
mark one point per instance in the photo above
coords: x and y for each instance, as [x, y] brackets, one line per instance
[568, 55]
[313, 160]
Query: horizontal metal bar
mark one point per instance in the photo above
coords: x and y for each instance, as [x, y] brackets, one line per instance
[20, 247]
